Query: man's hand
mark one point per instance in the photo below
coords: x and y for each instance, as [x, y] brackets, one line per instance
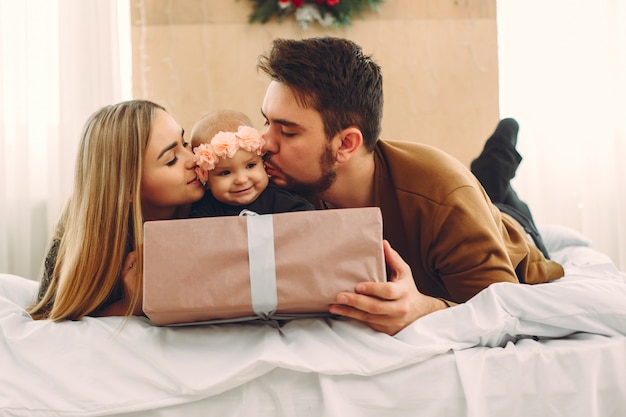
[387, 307]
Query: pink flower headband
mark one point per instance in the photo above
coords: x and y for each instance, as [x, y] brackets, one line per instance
[226, 144]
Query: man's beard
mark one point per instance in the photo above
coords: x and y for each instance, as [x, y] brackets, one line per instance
[315, 189]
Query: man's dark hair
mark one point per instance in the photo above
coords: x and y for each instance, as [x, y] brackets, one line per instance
[333, 77]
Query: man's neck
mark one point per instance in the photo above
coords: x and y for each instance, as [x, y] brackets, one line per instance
[354, 186]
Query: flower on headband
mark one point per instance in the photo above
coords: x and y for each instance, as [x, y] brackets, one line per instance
[206, 159]
[223, 145]
[250, 139]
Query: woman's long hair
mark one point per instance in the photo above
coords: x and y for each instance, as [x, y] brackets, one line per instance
[102, 221]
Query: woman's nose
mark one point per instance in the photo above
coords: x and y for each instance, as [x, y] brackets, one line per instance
[190, 161]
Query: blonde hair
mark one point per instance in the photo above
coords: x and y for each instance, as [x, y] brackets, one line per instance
[218, 121]
[102, 221]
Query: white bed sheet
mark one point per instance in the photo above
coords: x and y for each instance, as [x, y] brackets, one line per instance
[556, 349]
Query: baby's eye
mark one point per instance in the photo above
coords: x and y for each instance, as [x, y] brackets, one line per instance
[223, 173]
[251, 165]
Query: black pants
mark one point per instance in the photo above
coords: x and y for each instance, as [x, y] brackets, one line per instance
[495, 167]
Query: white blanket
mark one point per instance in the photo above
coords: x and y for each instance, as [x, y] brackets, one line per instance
[543, 350]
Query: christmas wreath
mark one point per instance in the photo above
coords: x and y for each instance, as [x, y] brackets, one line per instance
[325, 12]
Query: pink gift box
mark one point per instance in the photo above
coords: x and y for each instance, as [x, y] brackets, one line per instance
[285, 265]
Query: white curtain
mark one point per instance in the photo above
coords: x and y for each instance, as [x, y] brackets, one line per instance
[563, 77]
[60, 60]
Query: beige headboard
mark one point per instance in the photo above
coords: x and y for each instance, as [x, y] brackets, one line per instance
[439, 59]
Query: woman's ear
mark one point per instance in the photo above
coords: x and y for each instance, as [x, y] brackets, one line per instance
[351, 141]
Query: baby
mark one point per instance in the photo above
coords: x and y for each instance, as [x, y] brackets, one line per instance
[230, 164]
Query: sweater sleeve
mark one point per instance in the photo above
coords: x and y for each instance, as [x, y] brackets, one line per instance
[468, 251]
[48, 268]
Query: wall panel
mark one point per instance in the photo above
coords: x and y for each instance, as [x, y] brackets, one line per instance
[439, 59]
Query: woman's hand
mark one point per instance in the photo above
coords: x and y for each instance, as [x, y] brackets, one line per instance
[390, 306]
[132, 284]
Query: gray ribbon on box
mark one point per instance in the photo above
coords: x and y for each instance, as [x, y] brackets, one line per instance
[262, 265]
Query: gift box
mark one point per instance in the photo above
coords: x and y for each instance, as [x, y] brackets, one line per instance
[271, 266]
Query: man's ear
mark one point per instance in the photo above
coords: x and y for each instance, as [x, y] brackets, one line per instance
[351, 140]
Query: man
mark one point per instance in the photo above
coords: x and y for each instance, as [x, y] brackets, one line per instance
[323, 111]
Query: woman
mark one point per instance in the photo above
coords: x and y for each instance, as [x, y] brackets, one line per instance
[133, 165]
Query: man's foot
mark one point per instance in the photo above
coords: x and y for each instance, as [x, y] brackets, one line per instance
[496, 165]
[508, 129]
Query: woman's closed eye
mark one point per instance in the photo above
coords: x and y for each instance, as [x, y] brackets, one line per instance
[174, 159]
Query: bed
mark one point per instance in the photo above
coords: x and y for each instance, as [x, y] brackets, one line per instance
[555, 349]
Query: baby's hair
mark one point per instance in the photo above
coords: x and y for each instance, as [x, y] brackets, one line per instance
[218, 121]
